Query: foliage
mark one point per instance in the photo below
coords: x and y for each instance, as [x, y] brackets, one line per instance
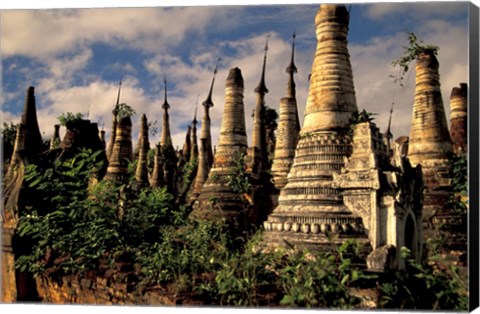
[72, 226]
[69, 118]
[9, 133]
[410, 53]
[187, 251]
[75, 226]
[65, 224]
[238, 179]
[123, 110]
[321, 280]
[188, 174]
[359, 117]
[424, 287]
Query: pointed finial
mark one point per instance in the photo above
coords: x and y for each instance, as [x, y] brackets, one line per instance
[389, 133]
[291, 67]
[165, 103]
[194, 121]
[216, 67]
[261, 87]
[119, 88]
[208, 102]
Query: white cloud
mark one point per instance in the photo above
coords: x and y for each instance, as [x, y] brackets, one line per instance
[422, 10]
[44, 33]
[62, 42]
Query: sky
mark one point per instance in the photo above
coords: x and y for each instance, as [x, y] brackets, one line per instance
[75, 58]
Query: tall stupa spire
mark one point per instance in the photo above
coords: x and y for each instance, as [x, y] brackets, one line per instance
[259, 138]
[205, 156]
[261, 87]
[430, 144]
[194, 142]
[388, 136]
[206, 124]
[291, 70]
[232, 144]
[288, 128]
[118, 93]
[111, 142]
[165, 137]
[310, 207]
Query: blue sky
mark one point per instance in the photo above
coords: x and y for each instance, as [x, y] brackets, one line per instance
[75, 58]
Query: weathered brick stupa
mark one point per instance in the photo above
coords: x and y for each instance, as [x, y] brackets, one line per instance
[157, 177]
[27, 148]
[288, 128]
[187, 145]
[122, 152]
[429, 142]
[310, 208]
[459, 119]
[258, 157]
[141, 173]
[205, 157]
[217, 199]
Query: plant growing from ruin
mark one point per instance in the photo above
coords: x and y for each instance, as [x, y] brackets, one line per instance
[359, 117]
[67, 119]
[238, 179]
[123, 110]
[411, 53]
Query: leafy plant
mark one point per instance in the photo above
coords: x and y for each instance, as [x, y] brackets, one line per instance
[123, 110]
[359, 117]
[69, 230]
[9, 133]
[69, 118]
[410, 53]
[238, 179]
[424, 287]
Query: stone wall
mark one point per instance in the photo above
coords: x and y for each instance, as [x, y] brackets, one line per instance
[113, 289]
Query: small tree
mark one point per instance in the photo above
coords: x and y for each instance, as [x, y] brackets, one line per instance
[410, 53]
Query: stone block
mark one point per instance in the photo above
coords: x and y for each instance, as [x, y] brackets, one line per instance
[382, 259]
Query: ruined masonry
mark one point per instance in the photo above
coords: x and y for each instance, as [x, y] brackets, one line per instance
[459, 119]
[288, 128]
[216, 198]
[310, 207]
[429, 142]
[122, 152]
[387, 196]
